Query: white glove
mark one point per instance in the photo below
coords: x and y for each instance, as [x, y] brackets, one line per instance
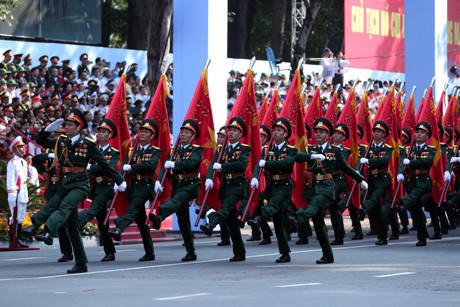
[320, 157]
[364, 161]
[406, 161]
[115, 188]
[158, 187]
[126, 168]
[262, 163]
[454, 159]
[122, 186]
[208, 184]
[447, 176]
[255, 182]
[54, 125]
[88, 167]
[400, 177]
[169, 165]
[51, 155]
[217, 166]
[363, 185]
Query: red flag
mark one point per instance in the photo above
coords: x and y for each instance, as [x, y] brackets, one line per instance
[118, 114]
[408, 120]
[157, 111]
[293, 111]
[201, 112]
[264, 107]
[428, 114]
[364, 118]
[332, 110]
[245, 107]
[348, 118]
[313, 111]
[451, 116]
[399, 109]
[439, 114]
[273, 110]
[420, 107]
[388, 115]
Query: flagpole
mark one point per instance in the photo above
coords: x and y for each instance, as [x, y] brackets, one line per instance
[219, 157]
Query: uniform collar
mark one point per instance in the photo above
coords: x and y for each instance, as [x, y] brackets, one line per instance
[75, 138]
[105, 147]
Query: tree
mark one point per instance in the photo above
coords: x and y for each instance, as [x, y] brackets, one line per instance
[5, 10]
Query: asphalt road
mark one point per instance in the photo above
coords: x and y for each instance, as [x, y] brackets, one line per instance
[363, 274]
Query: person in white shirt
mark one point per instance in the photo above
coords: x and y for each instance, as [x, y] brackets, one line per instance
[16, 185]
[327, 61]
[32, 173]
[339, 66]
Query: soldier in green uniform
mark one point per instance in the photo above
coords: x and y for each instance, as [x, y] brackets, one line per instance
[278, 169]
[322, 160]
[183, 170]
[234, 187]
[340, 134]
[45, 166]
[102, 187]
[417, 182]
[142, 169]
[379, 198]
[72, 154]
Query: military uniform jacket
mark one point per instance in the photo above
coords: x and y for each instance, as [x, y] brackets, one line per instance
[184, 176]
[76, 155]
[234, 163]
[334, 159]
[46, 168]
[278, 168]
[102, 182]
[379, 159]
[143, 165]
[339, 178]
[16, 178]
[418, 171]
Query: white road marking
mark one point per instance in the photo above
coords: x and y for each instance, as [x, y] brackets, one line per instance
[180, 297]
[20, 259]
[299, 285]
[396, 274]
[60, 292]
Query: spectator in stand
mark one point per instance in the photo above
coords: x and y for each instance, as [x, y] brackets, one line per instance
[327, 61]
[32, 173]
[83, 66]
[339, 65]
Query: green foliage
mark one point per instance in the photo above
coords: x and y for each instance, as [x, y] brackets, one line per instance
[5, 10]
[90, 230]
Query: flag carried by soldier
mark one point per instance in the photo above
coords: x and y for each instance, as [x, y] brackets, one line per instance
[313, 112]
[363, 117]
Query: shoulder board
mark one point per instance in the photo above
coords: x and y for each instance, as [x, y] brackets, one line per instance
[63, 136]
[265, 146]
[363, 145]
[346, 148]
[336, 147]
[196, 146]
[156, 147]
[245, 145]
[114, 149]
[219, 146]
[430, 146]
[290, 146]
[90, 139]
[388, 146]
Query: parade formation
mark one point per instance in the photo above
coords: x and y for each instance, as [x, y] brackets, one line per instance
[284, 161]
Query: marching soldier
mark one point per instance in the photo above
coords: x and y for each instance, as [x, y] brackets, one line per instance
[234, 187]
[102, 189]
[278, 169]
[379, 199]
[417, 181]
[183, 169]
[340, 134]
[322, 160]
[142, 168]
[72, 154]
[16, 185]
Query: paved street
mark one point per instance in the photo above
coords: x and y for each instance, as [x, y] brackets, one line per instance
[363, 274]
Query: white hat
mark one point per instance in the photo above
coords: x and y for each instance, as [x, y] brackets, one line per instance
[16, 142]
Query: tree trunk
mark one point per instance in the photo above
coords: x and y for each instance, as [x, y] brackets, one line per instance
[238, 30]
[301, 44]
[138, 19]
[279, 17]
[158, 39]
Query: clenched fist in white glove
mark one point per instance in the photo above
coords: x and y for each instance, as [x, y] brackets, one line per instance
[217, 166]
[158, 187]
[320, 157]
[364, 161]
[262, 163]
[51, 155]
[126, 168]
[363, 185]
[406, 161]
[169, 165]
[447, 176]
[54, 125]
[400, 177]
[254, 183]
[88, 167]
[454, 159]
[208, 184]
[122, 186]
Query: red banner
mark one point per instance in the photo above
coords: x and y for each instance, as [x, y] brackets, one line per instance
[374, 34]
[453, 32]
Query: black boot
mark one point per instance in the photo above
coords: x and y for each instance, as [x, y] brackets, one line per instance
[19, 233]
